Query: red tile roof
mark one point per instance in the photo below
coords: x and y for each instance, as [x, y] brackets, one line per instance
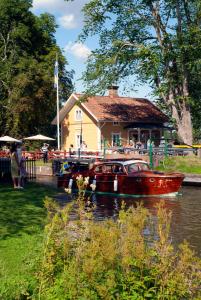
[124, 109]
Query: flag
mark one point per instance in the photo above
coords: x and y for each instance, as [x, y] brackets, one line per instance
[56, 74]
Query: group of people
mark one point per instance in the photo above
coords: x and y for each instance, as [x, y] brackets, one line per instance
[18, 169]
[140, 145]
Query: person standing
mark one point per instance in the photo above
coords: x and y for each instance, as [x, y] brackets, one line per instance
[15, 167]
[22, 165]
[70, 150]
[44, 150]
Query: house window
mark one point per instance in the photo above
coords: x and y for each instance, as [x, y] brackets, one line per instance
[78, 115]
[116, 139]
[115, 123]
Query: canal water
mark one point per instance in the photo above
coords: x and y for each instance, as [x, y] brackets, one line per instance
[185, 210]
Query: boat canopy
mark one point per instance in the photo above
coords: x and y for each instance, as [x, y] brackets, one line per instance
[136, 161]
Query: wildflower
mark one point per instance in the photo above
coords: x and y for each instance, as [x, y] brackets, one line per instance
[86, 180]
[68, 191]
[93, 187]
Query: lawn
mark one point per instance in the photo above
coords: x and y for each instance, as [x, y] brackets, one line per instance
[184, 164]
[22, 218]
[40, 163]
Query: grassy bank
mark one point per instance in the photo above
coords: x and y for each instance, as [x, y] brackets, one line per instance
[184, 164]
[22, 218]
[40, 163]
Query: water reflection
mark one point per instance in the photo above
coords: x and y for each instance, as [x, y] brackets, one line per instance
[108, 206]
[185, 210]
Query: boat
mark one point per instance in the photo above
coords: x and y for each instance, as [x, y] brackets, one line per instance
[131, 177]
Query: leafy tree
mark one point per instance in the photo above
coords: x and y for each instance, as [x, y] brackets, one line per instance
[157, 41]
[27, 56]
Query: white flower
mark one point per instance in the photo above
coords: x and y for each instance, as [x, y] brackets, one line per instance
[86, 180]
[68, 191]
[93, 187]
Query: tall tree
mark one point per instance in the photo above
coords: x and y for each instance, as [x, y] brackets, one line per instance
[156, 40]
[27, 56]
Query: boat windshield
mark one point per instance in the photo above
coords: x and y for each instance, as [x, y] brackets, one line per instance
[135, 167]
[109, 168]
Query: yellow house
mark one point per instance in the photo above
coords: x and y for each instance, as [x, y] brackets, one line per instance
[114, 119]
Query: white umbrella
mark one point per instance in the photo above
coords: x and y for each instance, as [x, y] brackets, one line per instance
[7, 138]
[39, 137]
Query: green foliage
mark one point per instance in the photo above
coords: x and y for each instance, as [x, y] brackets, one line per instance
[157, 42]
[114, 259]
[27, 56]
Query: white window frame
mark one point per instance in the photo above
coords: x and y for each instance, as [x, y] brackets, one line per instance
[78, 112]
[113, 134]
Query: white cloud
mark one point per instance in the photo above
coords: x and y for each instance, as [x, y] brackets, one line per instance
[68, 21]
[79, 50]
[70, 11]
[49, 5]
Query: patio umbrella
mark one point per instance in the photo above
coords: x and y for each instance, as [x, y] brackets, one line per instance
[9, 139]
[39, 137]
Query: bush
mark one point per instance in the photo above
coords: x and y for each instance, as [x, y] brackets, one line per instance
[128, 258]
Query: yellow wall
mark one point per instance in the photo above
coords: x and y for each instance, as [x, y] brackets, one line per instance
[109, 128]
[91, 133]
[71, 127]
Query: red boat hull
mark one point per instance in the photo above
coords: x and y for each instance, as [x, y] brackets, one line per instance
[144, 183]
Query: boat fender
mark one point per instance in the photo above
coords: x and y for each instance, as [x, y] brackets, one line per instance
[70, 184]
[94, 180]
[115, 184]
[93, 185]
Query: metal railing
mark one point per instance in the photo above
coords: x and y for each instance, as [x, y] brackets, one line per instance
[5, 169]
[30, 165]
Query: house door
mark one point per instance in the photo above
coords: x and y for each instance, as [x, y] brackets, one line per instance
[116, 139]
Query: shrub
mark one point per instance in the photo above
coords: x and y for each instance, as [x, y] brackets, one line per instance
[128, 258]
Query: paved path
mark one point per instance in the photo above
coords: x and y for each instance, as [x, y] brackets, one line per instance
[192, 179]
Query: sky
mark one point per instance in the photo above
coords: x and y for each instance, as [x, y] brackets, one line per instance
[69, 18]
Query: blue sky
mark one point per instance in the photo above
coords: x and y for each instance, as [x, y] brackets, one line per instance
[70, 20]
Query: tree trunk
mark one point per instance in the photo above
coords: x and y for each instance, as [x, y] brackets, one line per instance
[178, 96]
[184, 124]
[182, 115]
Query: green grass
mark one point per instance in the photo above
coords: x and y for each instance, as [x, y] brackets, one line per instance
[40, 163]
[22, 218]
[184, 164]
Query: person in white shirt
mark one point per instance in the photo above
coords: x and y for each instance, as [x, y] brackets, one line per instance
[44, 150]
